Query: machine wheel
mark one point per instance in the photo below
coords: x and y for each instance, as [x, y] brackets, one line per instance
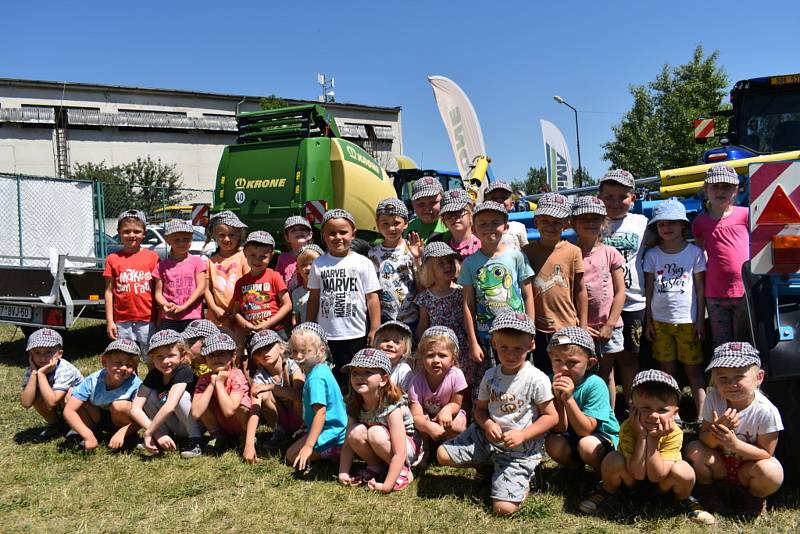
[783, 394]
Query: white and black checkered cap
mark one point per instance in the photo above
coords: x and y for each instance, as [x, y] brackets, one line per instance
[734, 354]
[134, 214]
[455, 200]
[488, 205]
[127, 346]
[312, 327]
[588, 204]
[199, 328]
[178, 226]
[572, 335]
[311, 246]
[722, 174]
[392, 206]
[338, 213]
[498, 184]
[513, 321]
[655, 375]
[554, 205]
[395, 324]
[437, 249]
[162, 338]
[260, 237]
[227, 218]
[296, 220]
[44, 337]
[369, 359]
[620, 176]
[221, 341]
[436, 331]
[427, 186]
[263, 338]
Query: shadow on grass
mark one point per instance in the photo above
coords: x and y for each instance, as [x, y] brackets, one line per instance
[30, 435]
[87, 338]
[320, 470]
[433, 485]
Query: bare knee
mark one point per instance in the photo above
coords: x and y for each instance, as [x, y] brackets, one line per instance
[377, 434]
[558, 448]
[358, 434]
[120, 412]
[443, 457]
[505, 508]
[591, 450]
[766, 477]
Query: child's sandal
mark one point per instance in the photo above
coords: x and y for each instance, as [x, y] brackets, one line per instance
[404, 479]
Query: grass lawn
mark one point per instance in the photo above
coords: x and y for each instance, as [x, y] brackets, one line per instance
[46, 489]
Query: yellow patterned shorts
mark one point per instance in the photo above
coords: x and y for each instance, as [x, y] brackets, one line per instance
[677, 341]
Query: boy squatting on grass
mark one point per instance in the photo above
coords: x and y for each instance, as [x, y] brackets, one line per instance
[650, 449]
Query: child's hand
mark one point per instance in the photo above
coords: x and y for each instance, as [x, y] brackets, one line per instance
[415, 245]
[729, 418]
[117, 440]
[650, 330]
[592, 332]
[177, 310]
[636, 423]
[605, 333]
[223, 376]
[663, 427]
[111, 330]
[371, 336]
[249, 454]
[90, 444]
[302, 459]
[166, 443]
[374, 485]
[725, 436]
[168, 307]
[513, 438]
[45, 369]
[563, 387]
[700, 330]
[150, 444]
[344, 479]
[476, 353]
[445, 418]
[493, 431]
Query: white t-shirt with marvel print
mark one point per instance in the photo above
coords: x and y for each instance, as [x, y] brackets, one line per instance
[343, 283]
[674, 300]
[514, 400]
[761, 417]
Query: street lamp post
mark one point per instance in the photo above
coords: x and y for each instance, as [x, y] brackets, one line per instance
[578, 175]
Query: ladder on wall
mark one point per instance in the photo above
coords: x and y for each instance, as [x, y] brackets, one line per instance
[62, 156]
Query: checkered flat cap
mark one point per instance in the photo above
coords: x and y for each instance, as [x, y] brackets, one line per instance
[427, 186]
[260, 237]
[437, 249]
[263, 338]
[217, 342]
[314, 328]
[369, 359]
[513, 321]
[655, 375]
[734, 354]
[554, 205]
[134, 214]
[127, 346]
[497, 184]
[178, 226]
[44, 337]
[338, 214]
[572, 335]
[722, 174]
[620, 176]
[395, 324]
[199, 328]
[163, 338]
[455, 200]
[226, 217]
[392, 206]
[296, 220]
[588, 204]
[311, 246]
[441, 331]
[488, 205]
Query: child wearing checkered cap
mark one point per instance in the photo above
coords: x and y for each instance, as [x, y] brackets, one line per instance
[723, 232]
[394, 338]
[396, 262]
[276, 392]
[380, 429]
[587, 428]
[650, 450]
[297, 233]
[163, 404]
[426, 201]
[501, 192]
[180, 279]
[225, 267]
[739, 433]
[306, 257]
[47, 380]
[456, 214]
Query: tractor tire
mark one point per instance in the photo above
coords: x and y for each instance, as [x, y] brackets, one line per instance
[783, 394]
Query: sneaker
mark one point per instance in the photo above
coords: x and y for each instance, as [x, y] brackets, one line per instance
[51, 431]
[695, 512]
[753, 506]
[599, 499]
[193, 449]
[74, 440]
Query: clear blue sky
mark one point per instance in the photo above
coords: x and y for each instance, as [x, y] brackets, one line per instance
[509, 57]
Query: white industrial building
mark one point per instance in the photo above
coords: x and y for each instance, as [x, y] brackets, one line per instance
[48, 127]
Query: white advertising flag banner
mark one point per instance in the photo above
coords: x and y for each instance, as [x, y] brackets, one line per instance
[559, 165]
[460, 121]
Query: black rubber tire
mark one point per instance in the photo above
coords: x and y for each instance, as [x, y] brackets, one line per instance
[783, 394]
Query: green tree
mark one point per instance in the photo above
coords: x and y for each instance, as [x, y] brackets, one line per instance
[657, 132]
[272, 102]
[537, 177]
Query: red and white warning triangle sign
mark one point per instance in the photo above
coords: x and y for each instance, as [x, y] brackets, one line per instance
[779, 209]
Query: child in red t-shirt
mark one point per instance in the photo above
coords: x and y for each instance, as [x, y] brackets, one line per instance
[260, 299]
[129, 292]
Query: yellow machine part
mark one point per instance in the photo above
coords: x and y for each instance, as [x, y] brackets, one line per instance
[358, 183]
[404, 162]
[697, 173]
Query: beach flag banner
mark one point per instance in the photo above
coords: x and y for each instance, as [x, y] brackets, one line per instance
[559, 165]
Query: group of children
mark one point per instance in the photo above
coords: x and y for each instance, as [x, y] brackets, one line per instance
[452, 339]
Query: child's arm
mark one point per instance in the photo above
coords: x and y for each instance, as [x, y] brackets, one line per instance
[158, 296]
[563, 423]
[137, 407]
[492, 430]
[636, 464]
[312, 307]
[374, 311]
[73, 419]
[728, 441]
[198, 293]
[50, 397]
[108, 296]
[657, 467]
[293, 392]
[423, 323]
[249, 451]
[475, 352]
[449, 411]
[649, 328]
[422, 423]
[314, 431]
[397, 440]
[280, 315]
[228, 402]
[700, 297]
[200, 401]
[548, 418]
[346, 456]
[211, 303]
[581, 297]
[527, 298]
[582, 424]
[618, 280]
[28, 395]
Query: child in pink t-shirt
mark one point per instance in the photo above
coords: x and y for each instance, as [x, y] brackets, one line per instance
[723, 233]
[180, 279]
[297, 232]
[605, 285]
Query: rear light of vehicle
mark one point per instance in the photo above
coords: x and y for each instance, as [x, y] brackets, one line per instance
[54, 317]
[786, 249]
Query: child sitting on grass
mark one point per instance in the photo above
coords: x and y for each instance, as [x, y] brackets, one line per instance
[513, 413]
[48, 380]
[587, 428]
[739, 433]
[394, 338]
[102, 401]
[650, 450]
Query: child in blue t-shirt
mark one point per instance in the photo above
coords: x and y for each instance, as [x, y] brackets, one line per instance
[103, 401]
[587, 428]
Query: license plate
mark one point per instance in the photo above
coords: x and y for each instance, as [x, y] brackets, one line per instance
[16, 313]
